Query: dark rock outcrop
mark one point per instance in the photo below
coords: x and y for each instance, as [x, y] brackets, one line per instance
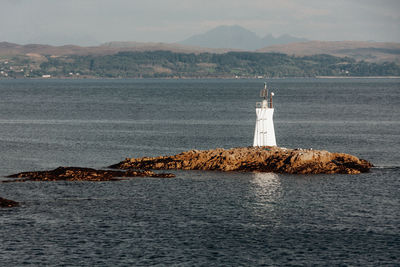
[83, 174]
[262, 159]
[6, 203]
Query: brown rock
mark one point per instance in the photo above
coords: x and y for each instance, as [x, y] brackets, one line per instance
[263, 159]
[6, 203]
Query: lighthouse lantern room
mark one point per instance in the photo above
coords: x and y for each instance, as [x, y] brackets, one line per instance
[265, 133]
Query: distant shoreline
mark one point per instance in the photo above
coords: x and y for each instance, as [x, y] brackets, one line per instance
[165, 64]
[198, 78]
[357, 77]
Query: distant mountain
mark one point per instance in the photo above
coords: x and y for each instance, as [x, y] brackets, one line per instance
[226, 37]
[237, 37]
[280, 40]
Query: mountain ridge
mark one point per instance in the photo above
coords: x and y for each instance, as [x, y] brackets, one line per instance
[109, 48]
[237, 37]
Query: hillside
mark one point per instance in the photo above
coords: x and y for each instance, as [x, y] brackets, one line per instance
[368, 51]
[11, 49]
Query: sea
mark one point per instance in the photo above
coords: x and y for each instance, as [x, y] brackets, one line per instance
[199, 218]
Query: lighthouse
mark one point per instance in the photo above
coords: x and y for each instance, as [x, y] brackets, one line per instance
[264, 134]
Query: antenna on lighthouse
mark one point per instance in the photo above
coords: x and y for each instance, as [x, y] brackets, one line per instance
[270, 100]
[264, 92]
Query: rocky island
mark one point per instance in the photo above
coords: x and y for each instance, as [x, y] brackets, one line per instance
[245, 159]
[82, 174]
[249, 159]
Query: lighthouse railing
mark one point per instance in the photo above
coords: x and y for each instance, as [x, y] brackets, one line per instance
[262, 105]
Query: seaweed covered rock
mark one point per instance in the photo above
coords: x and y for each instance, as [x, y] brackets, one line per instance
[83, 174]
[6, 203]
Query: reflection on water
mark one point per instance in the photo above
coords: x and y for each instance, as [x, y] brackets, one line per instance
[267, 189]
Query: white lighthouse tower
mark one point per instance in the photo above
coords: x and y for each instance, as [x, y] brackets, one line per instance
[265, 133]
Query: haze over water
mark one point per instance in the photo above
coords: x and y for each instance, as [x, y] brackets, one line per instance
[198, 218]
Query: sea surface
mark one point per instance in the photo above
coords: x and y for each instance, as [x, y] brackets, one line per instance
[199, 218]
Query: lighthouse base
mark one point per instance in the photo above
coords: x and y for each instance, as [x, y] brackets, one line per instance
[264, 134]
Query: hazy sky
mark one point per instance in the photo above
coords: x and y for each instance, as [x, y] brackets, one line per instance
[88, 22]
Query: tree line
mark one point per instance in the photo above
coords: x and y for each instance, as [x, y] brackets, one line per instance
[164, 64]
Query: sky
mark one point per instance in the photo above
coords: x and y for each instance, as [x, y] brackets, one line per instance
[92, 22]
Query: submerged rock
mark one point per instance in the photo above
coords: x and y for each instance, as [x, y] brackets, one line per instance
[83, 174]
[6, 203]
[262, 159]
